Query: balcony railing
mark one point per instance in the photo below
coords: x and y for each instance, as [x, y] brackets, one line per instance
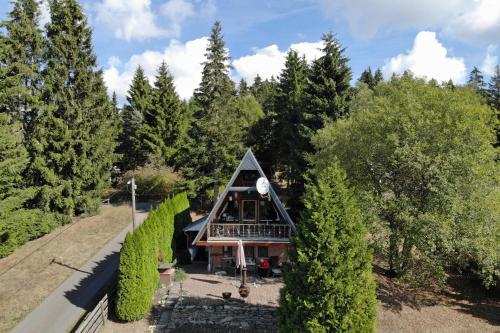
[255, 231]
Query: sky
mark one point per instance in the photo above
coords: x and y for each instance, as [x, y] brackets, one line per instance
[441, 39]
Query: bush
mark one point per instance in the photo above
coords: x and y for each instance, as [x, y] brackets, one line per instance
[329, 285]
[154, 180]
[422, 162]
[150, 243]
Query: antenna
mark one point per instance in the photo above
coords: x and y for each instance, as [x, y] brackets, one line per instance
[263, 186]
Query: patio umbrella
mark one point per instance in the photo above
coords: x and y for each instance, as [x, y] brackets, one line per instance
[240, 256]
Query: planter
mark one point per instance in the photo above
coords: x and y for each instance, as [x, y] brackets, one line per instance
[167, 273]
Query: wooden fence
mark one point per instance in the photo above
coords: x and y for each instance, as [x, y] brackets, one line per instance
[95, 319]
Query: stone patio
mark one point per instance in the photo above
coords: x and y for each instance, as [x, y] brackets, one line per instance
[200, 307]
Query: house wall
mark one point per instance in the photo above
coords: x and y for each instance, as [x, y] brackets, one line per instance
[275, 250]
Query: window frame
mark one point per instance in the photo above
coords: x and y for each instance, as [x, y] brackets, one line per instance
[256, 212]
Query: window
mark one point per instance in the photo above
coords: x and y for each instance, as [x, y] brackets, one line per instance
[227, 251]
[267, 212]
[249, 252]
[231, 212]
[249, 210]
[262, 252]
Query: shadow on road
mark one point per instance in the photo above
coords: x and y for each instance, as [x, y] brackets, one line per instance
[93, 286]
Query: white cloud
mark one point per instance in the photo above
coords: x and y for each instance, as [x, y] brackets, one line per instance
[129, 19]
[472, 21]
[184, 62]
[269, 61]
[428, 58]
[490, 61]
[177, 11]
[481, 21]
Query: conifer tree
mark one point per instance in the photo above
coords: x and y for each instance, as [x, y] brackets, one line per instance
[22, 59]
[367, 78]
[493, 94]
[216, 131]
[476, 80]
[243, 89]
[329, 285]
[378, 77]
[163, 120]
[139, 101]
[74, 138]
[288, 137]
[329, 88]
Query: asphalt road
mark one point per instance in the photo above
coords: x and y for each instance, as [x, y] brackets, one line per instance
[64, 307]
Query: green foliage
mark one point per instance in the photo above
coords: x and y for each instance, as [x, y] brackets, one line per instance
[154, 180]
[216, 132]
[493, 95]
[21, 61]
[329, 285]
[74, 137]
[149, 244]
[133, 151]
[180, 275]
[248, 109]
[371, 80]
[420, 157]
[18, 223]
[476, 80]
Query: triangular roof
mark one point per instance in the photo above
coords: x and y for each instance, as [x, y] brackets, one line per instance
[248, 162]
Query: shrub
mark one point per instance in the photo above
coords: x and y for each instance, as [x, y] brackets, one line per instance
[150, 243]
[329, 285]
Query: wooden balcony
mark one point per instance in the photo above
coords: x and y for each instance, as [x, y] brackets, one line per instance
[235, 231]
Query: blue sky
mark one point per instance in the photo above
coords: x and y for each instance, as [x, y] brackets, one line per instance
[441, 39]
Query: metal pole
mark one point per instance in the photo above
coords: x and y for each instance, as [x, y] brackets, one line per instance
[133, 203]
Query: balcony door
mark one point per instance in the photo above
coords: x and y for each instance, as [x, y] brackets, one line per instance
[249, 211]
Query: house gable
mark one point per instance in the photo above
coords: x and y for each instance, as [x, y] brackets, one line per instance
[248, 163]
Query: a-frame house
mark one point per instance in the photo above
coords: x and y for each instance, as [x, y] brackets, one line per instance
[260, 221]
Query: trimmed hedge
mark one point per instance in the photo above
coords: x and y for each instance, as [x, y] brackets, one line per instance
[151, 243]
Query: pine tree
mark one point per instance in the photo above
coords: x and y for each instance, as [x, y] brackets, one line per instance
[74, 138]
[163, 120]
[329, 285]
[287, 134]
[260, 135]
[367, 78]
[139, 101]
[216, 130]
[494, 88]
[476, 80]
[243, 89]
[378, 77]
[22, 59]
[329, 87]
[493, 94]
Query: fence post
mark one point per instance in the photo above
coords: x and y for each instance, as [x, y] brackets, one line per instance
[101, 303]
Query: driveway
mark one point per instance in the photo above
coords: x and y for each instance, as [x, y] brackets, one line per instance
[65, 306]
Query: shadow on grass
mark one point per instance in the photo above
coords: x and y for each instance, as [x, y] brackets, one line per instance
[463, 293]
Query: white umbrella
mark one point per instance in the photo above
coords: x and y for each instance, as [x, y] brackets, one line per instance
[240, 256]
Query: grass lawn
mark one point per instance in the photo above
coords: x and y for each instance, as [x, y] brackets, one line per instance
[39, 269]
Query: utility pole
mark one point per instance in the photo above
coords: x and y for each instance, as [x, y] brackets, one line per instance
[132, 185]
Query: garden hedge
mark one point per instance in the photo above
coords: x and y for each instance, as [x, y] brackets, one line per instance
[151, 243]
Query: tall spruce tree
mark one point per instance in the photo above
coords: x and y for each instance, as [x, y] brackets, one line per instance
[243, 89]
[329, 285]
[367, 78]
[163, 120]
[74, 138]
[287, 133]
[139, 101]
[329, 88]
[260, 135]
[476, 80]
[378, 77]
[493, 93]
[22, 59]
[216, 131]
